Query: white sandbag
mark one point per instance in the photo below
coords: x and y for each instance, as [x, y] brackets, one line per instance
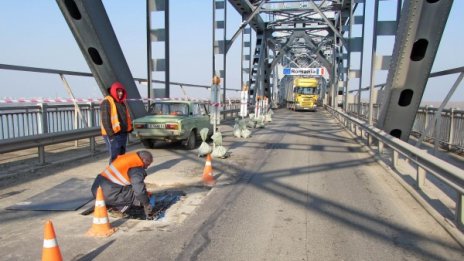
[237, 132]
[246, 133]
[204, 148]
[219, 152]
[217, 138]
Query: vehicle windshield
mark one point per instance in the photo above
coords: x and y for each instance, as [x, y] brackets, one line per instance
[305, 90]
[179, 109]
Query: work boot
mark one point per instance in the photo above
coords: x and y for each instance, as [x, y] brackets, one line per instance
[116, 213]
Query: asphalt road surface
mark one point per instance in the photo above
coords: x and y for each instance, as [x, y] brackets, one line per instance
[299, 189]
[307, 192]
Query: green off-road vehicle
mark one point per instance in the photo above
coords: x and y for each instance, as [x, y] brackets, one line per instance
[171, 121]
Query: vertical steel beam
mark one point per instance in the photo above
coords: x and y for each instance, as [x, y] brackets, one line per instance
[348, 59]
[361, 60]
[418, 36]
[241, 55]
[373, 58]
[215, 48]
[149, 56]
[166, 51]
[224, 60]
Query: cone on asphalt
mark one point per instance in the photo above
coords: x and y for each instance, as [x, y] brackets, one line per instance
[50, 251]
[208, 177]
[101, 226]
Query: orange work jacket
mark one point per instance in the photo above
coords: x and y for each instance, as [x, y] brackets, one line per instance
[115, 124]
[118, 171]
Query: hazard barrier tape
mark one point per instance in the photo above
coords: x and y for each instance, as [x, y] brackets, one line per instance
[70, 100]
[47, 100]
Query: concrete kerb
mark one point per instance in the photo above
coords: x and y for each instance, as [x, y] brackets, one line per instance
[447, 224]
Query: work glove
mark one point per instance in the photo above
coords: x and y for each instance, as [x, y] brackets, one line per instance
[148, 209]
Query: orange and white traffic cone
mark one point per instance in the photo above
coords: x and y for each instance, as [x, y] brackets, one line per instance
[101, 226]
[208, 177]
[51, 251]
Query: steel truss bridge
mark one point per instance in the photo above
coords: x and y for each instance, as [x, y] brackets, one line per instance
[294, 34]
[279, 34]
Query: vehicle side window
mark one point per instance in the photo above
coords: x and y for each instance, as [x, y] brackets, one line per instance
[203, 109]
[196, 109]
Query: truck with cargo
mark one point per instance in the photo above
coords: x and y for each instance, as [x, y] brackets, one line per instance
[303, 94]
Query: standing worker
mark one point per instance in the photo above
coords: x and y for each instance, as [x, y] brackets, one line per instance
[116, 122]
[123, 183]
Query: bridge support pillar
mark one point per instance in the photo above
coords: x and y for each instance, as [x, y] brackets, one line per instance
[92, 145]
[369, 140]
[395, 159]
[380, 147]
[460, 211]
[420, 179]
[41, 151]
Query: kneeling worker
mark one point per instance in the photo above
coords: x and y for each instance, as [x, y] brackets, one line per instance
[123, 183]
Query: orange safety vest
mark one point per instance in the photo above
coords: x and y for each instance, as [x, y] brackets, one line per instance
[115, 124]
[118, 171]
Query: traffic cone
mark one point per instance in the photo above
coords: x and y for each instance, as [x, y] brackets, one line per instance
[208, 177]
[51, 251]
[101, 226]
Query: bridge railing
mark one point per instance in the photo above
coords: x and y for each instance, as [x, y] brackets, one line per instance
[39, 125]
[449, 133]
[426, 164]
[41, 118]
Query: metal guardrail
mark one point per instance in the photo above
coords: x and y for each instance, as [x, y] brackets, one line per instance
[47, 139]
[25, 127]
[41, 118]
[449, 174]
[449, 133]
[42, 140]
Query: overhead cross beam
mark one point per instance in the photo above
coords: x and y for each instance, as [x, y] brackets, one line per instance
[243, 25]
[245, 8]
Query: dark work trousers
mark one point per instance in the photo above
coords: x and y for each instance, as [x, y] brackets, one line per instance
[116, 145]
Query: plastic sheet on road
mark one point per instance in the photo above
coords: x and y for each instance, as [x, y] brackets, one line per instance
[69, 195]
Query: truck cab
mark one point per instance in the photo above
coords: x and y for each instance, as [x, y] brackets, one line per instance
[304, 94]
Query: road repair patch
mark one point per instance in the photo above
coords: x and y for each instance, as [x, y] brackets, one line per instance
[161, 201]
[69, 195]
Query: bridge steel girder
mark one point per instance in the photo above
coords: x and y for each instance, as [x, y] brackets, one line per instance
[95, 36]
[418, 36]
[245, 9]
[261, 68]
[320, 58]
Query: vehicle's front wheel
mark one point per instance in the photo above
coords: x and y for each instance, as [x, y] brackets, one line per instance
[149, 144]
[191, 141]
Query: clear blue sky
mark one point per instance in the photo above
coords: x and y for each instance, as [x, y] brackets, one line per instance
[34, 33]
